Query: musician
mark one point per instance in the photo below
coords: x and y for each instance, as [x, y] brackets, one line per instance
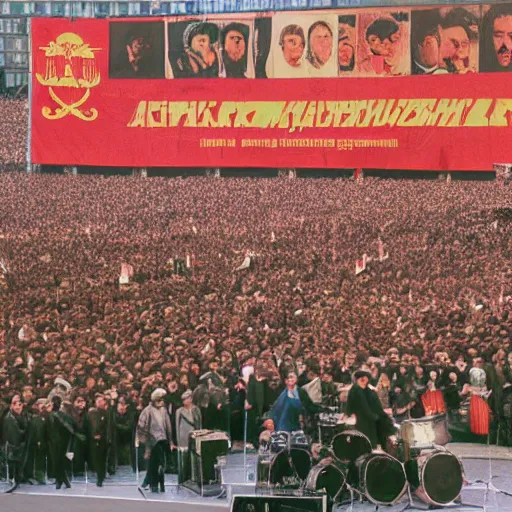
[358, 404]
[292, 406]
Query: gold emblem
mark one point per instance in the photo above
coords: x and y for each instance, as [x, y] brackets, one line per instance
[70, 63]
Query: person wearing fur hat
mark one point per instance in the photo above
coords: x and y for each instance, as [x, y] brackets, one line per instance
[155, 431]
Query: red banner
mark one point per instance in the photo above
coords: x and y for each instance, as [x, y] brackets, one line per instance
[81, 116]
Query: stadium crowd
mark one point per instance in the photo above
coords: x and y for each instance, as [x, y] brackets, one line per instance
[13, 133]
[419, 319]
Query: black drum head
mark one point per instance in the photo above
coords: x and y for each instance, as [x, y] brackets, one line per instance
[350, 446]
[443, 478]
[288, 465]
[331, 479]
[384, 479]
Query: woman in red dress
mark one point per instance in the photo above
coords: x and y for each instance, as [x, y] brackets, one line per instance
[479, 412]
[432, 399]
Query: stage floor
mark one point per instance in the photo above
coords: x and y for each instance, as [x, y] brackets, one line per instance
[120, 493]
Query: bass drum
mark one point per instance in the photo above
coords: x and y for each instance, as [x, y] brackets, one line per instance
[382, 478]
[289, 468]
[436, 477]
[348, 446]
[329, 478]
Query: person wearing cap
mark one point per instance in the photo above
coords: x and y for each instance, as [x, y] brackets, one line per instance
[188, 418]
[359, 405]
[98, 434]
[155, 431]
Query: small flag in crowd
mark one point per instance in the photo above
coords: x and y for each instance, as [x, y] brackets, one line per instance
[194, 229]
[188, 263]
[126, 273]
[272, 237]
[382, 256]
[361, 264]
[495, 225]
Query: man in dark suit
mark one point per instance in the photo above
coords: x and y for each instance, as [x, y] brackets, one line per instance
[358, 403]
[98, 436]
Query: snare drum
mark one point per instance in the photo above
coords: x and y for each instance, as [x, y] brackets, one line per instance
[328, 478]
[436, 476]
[425, 432]
[382, 478]
[350, 445]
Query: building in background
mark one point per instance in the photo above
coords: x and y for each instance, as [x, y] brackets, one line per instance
[14, 53]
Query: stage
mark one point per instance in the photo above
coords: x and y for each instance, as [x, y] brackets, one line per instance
[120, 493]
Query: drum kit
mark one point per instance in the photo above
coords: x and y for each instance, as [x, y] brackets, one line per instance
[351, 467]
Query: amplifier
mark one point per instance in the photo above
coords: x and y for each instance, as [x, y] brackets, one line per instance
[204, 447]
[277, 503]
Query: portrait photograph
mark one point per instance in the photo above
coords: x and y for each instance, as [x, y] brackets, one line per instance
[383, 44]
[347, 44]
[235, 49]
[137, 49]
[193, 49]
[303, 46]
[495, 43]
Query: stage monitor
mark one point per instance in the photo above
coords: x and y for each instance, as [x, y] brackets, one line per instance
[277, 503]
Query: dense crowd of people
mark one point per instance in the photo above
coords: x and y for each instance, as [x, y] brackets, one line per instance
[13, 129]
[233, 288]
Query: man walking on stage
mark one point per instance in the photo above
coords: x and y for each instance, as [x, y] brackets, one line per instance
[154, 429]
